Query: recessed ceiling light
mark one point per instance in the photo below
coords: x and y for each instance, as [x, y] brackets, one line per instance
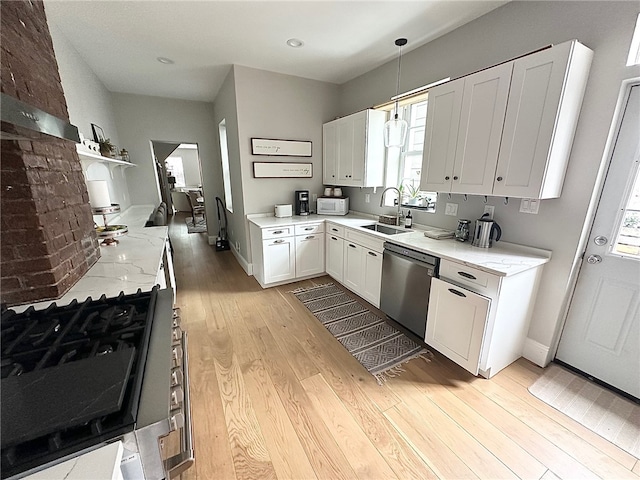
[295, 43]
[165, 60]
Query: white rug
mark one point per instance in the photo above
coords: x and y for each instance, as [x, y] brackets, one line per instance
[606, 413]
[199, 227]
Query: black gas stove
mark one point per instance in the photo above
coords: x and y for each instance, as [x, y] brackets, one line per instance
[72, 376]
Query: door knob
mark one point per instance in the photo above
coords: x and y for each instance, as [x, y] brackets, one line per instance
[593, 259]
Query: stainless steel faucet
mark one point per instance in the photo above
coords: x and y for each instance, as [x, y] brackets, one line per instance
[399, 214]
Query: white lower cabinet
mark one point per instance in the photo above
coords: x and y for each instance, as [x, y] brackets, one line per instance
[309, 255]
[279, 259]
[286, 253]
[334, 256]
[478, 319]
[353, 266]
[456, 322]
[372, 280]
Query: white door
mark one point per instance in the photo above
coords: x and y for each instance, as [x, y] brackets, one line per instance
[441, 136]
[345, 149]
[335, 256]
[456, 322]
[279, 259]
[372, 277]
[309, 255]
[602, 334]
[329, 153]
[353, 266]
[484, 104]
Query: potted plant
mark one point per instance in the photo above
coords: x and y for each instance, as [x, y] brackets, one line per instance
[413, 194]
[106, 148]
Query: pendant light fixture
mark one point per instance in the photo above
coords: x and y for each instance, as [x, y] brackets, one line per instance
[395, 129]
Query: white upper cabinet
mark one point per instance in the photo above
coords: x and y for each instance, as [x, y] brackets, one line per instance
[544, 105]
[353, 150]
[441, 136]
[484, 103]
[507, 130]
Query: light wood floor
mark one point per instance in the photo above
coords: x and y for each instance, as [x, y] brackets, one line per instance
[274, 395]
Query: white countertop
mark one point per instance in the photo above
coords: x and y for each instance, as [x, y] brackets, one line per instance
[502, 259]
[130, 265]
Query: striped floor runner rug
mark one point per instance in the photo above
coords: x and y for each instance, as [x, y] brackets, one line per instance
[378, 346]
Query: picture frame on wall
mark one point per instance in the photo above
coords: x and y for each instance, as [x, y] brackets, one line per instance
[282, 170]
[98, 133]
[283, 148]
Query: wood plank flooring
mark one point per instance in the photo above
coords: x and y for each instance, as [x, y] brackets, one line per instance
[274, 395]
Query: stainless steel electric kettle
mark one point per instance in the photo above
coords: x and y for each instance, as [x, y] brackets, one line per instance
[483, 233]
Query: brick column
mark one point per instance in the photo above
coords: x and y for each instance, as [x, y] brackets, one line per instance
[47, 239]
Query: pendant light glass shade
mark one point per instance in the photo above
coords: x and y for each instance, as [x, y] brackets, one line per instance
[395, 132]
[395, 129]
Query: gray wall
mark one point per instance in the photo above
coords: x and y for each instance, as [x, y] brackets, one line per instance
[512, 30]
[225, 109]
[141, 119]
[272, 105]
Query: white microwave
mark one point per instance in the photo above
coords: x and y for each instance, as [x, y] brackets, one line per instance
[333, 206]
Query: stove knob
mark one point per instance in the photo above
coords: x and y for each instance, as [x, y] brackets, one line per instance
[177, 355]
[177, 377]
[176, 334]
[176, 421]
[177, 397]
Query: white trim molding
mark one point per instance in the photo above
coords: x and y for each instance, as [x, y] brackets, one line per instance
[246, 266]
[536, 352]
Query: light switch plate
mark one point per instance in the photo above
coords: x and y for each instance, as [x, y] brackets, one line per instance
[451, 209]
[529, 205]
[489, 209]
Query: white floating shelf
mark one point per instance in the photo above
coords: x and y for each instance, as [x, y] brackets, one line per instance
[87, 158]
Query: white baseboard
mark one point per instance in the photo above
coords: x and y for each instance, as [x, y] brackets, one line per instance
[536, 352]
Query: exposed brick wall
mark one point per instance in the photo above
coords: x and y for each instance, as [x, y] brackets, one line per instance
[47, 238]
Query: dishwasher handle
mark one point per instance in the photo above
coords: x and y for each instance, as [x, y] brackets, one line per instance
[429, 266]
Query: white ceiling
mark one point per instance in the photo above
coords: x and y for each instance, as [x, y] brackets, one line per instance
[120, 40]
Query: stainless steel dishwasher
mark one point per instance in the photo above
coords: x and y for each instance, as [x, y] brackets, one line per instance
[406, 283]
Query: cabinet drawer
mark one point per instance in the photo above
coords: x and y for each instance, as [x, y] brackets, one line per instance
[335, 230]
[276, 232]
[309, 229]
[368, 241]
[477, 280]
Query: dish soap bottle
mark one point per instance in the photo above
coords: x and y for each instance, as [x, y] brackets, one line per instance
[408, 220]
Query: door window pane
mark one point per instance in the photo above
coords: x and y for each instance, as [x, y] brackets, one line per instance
[628, 235]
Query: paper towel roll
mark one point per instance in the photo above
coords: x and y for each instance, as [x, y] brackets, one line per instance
[98, 193]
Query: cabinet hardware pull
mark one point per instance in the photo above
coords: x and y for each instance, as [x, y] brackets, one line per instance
[309, 237]
[455, 177]
[278, 232]
[308, 228]
[499, 179]
[334, 229]
[334, 238]
[467, 275]
[279, 241]
[447, 177]
[456, 292]
[372, 254]
[352, 245]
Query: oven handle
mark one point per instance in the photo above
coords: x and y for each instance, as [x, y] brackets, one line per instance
[185, 459]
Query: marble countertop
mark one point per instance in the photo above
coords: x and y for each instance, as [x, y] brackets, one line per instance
[502, 259]
[131, 265]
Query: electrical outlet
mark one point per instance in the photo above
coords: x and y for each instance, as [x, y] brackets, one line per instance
[237, 246]
[314, 197]
[451, 209]
[489, 209]
[367, 197]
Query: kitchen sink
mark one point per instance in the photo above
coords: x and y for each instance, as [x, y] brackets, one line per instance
[376, 227]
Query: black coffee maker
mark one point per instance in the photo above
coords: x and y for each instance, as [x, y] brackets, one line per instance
[302, 202]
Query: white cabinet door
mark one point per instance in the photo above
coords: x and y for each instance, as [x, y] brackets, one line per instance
[279, 258]
[544, 104]
[484, 103]
[353, 266]
[359, 150]
[309, 255]
[335, 256]
[372, 280]
[456, 323]
[345, 150]
[329, 153]
[441, 136]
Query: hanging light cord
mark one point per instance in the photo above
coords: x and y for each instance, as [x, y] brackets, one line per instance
[399, 42]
